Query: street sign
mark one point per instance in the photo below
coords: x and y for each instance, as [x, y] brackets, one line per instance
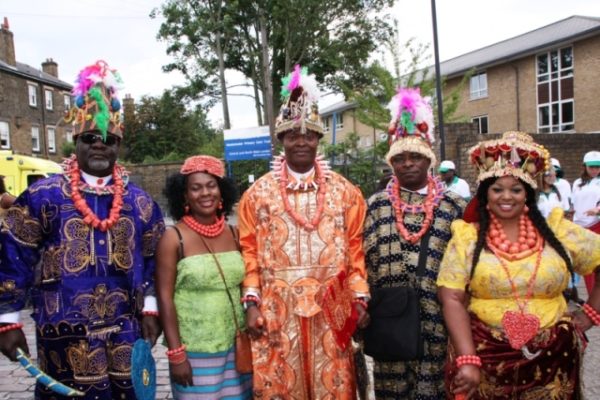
[247, 143]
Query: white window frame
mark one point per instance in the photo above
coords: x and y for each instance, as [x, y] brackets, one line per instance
[553, 107]
[339, 121]
[32, 94]
[49, 98]
[4, 135]
[326, 124]
[51, 139]
[67, 101]
[35, 136]
[478, 120]
[69, 136]
[478, 86]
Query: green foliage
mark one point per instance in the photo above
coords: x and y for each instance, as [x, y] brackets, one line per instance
[164, 129]
[68, 148]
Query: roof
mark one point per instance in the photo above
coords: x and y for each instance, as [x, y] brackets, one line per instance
[556, 34]
[28, 72]
[338, 107]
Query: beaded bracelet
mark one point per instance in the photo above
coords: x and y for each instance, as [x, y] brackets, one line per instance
[467, 359]
[11, 327]
[360, 301]
[591, 313]
[180, 349]
[150, 313]
[248, 298]
[178, 358]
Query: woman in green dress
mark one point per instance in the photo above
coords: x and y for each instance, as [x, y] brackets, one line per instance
[196, 311]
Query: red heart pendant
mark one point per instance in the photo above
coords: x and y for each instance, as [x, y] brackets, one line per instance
[520, 328]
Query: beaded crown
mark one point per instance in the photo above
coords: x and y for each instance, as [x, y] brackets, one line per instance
[412, 126]
[515, 153]
[97, 105]
[300, 94]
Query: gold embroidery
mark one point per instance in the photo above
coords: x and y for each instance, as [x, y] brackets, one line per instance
[145, 205]
[119, 359]
[77, 252]
[52, 259]
[123, 239]
[88, 366]
[22, 227]
[102, 303]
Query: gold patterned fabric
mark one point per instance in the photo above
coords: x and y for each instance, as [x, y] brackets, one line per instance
[290, 268]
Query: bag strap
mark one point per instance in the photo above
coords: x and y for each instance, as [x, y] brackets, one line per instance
[236, 236]
[180, 241]
[237, 327]
[424, 246]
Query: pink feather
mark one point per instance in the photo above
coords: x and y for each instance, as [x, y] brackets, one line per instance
[295, 81]
[409, 99]
[88, 77]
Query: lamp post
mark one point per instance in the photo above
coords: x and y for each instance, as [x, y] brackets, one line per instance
[438, 84]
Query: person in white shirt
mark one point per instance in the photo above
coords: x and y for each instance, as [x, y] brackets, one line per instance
[563, 186]
[549, 196]
[452, 182]
[586, 200]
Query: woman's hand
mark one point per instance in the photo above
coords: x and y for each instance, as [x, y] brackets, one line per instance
[581, 321]
[467, 380]
[182, 373]
[255, 322]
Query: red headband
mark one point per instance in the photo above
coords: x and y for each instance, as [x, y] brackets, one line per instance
[208, 164]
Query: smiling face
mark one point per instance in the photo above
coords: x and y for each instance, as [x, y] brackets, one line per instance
[203, 196]
[506, 198]
[94, 156]
[411, 169]
[300, 149]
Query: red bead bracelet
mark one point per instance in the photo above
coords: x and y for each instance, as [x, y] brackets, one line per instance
[467, 359]
[591, 313]
[150, 313]
[11, 327]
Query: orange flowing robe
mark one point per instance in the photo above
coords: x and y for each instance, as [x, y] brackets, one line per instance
[290, 268]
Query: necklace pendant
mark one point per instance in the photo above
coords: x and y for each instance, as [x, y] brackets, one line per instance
[520, 328]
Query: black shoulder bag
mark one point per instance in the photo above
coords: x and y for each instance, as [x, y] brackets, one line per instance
[394, 333]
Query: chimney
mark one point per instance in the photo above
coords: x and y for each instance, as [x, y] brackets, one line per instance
[50, 67]
[7, 44]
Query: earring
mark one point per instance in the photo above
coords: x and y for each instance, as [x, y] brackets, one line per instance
[221, 205]
[525, 209]
[186, 209]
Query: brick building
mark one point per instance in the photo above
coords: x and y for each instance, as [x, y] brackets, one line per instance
[32, 104]
[543, 81]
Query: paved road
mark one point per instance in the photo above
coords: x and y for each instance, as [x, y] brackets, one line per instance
[15, 383]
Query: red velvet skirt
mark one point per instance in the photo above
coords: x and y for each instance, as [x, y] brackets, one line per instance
[508, 374]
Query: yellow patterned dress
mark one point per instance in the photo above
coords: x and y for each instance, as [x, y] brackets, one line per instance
[290, 268]
[548, 367]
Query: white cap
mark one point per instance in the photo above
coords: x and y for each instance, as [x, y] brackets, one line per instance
[555, 163]
[592, 158]
[446, 165]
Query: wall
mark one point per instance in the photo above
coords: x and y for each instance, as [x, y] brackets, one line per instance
[153, 179]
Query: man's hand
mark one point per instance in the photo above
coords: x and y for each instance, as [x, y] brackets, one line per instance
[151, 329]
[10, 341]
[363, 316]
[255, 322]
[182, 373]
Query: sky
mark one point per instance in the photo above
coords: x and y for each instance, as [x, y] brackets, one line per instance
[76, 33]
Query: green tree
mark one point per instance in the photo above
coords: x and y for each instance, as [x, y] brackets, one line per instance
[334, 38]
[163, 128]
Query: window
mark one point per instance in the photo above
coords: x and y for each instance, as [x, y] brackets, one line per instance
[482, 123]
[48, 98]
[35, 138]
[67, 102]
[326, 124]
[69, 136]
[339, 121]
[4, 135]
[555, 91]
[32, 95]
[479, 87]
[52, 140]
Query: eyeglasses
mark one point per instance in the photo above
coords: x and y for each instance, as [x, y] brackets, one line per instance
[91, 138]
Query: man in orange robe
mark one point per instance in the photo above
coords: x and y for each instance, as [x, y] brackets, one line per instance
[305, 289]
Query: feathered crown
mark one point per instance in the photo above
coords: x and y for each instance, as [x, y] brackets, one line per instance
[97, 103]
[300, 94]
[515, 153]
[412, 125]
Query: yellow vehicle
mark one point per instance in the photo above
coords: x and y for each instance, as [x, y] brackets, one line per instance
[21, 171]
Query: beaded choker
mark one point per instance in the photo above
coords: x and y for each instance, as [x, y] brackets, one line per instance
[435, 191]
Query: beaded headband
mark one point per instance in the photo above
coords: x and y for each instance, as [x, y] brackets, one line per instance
[208, 164]
[97, 103]
[412, 126]
[300, 95]
[515, 153]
